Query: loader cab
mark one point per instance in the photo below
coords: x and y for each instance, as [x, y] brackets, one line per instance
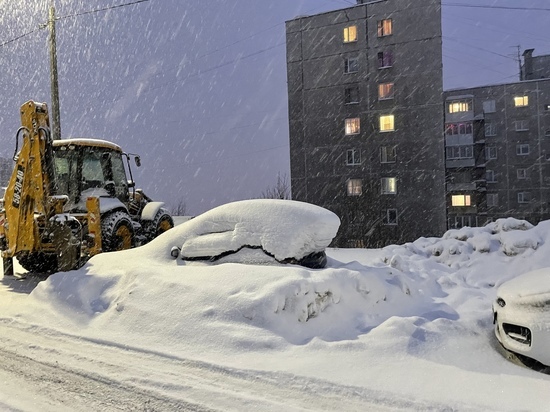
[88, 167]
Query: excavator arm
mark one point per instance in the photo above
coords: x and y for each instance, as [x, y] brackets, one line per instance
[30, 186]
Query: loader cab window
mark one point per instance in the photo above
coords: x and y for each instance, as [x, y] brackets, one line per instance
[119, 177]
[93, 175]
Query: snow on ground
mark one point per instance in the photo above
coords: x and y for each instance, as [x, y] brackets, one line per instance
[408, 323]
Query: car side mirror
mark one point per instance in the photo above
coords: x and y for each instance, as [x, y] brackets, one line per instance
[138, 161]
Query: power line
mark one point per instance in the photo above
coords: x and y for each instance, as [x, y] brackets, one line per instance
[479, 48]
[18, 37]
[103, 9]
[479, 6]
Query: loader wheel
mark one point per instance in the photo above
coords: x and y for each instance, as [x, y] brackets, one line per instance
[38, 262]
[117, 232]
[160, 224]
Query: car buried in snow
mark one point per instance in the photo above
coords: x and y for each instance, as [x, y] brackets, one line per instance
[521, 314]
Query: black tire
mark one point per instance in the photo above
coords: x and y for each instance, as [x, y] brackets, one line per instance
[117, 232]
[38, 262]
[160, 224]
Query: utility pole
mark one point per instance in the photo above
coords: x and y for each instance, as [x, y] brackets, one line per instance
[56, 122]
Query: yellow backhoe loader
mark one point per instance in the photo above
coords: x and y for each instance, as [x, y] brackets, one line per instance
[70, 199]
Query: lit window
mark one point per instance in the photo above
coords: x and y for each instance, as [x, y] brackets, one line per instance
[388, 185]
[385, 91]
[490, 152]
[490, 129]
[461, 200]
[522, 149]
[492, 199]
[524, 197]
[489, 106]
[388, 154]
[385, 27]
[459, 152]
[522, 173]
[490, 176]
[353, 157]
[355, 187]
[521, 125]
[351, 65]
[353, 126]
[390, 217]
[453, 129]
[521, 101]
[385, 59]
[351, 95]
[387, 123]
[547, 107]
[350, 34]
[459, 106]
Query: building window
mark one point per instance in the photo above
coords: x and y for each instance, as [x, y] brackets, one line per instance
[388, 185]
[490, 152]
[490, 176]
[461, 200]
[522, 149]
[390, 217]
[524, 197]
[489, 106]
[385, 59]
[521, 125]
[387, 123]
[492, 199]
[521, 174]
[351, 65]
[388, 154]
[547, 107]
[352, 126]
[521, 101]
[353, 157]
[453, 129]
[459, 106]
[350, 34]
[351, 95]
[385, 91]
[385, 27]
[490, 129]
[459, 152]
[355, 187]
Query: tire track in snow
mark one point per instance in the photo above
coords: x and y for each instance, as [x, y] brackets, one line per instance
[105, 375]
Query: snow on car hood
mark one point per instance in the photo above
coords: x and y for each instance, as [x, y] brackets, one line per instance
[527, 288]
[283, 228]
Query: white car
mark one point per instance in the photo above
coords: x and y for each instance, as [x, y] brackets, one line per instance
[522, 315]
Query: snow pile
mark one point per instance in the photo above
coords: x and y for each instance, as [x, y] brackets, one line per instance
[407, 317]
[282, 228]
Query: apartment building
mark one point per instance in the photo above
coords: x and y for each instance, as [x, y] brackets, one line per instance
[367, 120]
[497, 149]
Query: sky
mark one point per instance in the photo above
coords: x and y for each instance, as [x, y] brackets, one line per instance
[198, 88]
[402, 328]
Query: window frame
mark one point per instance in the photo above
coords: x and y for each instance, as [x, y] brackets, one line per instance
[490, 176]
[347, 34]
[386, 218]
[391, 123]
[459, 152]
[489, 106]
[384, 27]
[459, 106]
[352, 126]
[490, 129]
[355, 155]
[489, 150]
[520, 149]
[524, 197]
[461, 200]
[521, 101]
[521, 173]
[521, 125]
[385, 57]
[383, 93]
[494, 199]
[388, 185]
[354, 187]
[384, 150]
[348, 67]
[349, 95]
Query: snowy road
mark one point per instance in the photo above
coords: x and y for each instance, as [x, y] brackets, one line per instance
[56, 371]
